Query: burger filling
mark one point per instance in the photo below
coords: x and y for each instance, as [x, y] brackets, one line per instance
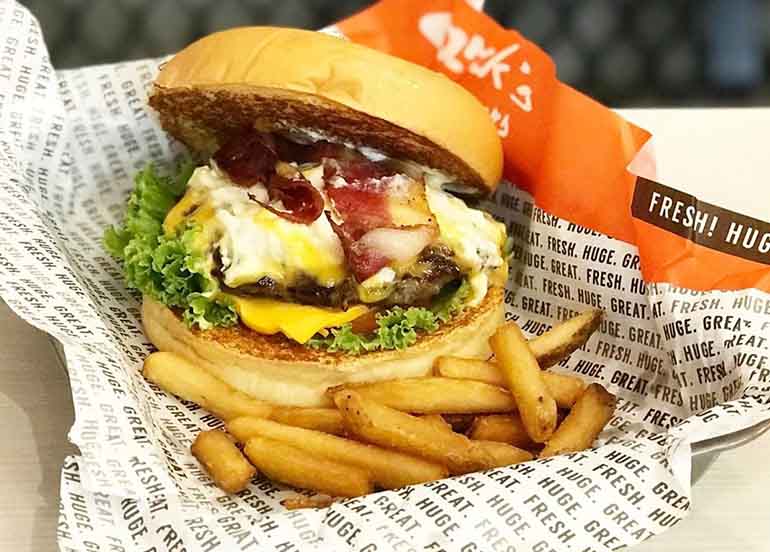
[313, 239]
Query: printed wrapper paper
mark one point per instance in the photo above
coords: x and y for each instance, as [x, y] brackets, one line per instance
[686, 365]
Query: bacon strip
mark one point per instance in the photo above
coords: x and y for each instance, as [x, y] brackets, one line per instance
[298, 196]
[361, 208]
[379, 222]
[363, 262]
[302, 201]
[355, 169]
[248, 158]
[366, 196]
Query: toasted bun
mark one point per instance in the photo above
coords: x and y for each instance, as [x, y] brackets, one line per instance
[274, 79]
[275, 369]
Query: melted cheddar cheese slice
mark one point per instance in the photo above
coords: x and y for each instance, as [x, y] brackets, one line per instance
[298, 322]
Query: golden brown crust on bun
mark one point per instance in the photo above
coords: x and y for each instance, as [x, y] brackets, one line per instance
[279, 79]
[278, 370]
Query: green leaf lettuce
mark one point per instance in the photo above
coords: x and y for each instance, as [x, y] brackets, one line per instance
[397, 328]
[176, 271]
[171, 269]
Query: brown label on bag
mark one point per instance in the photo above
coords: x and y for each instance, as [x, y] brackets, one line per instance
[701, 222]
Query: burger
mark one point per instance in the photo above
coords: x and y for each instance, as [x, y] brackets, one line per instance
[323, 236]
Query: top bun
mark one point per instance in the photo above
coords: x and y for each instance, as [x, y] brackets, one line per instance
[287, 79]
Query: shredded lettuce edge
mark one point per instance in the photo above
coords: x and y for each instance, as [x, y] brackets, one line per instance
[172, 270]
[168, 268]
[397, 328]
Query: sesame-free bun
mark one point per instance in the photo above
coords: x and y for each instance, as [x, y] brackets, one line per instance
[278, 370]
[288, 79]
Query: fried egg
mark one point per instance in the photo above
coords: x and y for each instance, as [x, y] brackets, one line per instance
[254, 243]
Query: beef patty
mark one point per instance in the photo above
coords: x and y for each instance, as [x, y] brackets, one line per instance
[434, 269]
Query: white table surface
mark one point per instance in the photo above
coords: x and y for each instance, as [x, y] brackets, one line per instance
[731, 502]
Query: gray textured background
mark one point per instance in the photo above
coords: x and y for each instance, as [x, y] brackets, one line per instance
[624, 52]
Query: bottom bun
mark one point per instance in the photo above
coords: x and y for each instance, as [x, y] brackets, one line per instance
[278, 370]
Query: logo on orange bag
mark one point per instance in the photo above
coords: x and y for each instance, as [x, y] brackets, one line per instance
[455, 47]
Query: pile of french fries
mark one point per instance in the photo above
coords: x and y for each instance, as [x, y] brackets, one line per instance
[469, 415]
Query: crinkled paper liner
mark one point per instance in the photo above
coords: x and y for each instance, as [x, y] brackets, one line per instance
[70, 142]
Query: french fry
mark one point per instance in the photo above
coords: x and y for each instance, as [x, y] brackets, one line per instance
[222, 460]
[388, 469]
[503, 428]
[468, 368]
[328, 420]
[459, 422]
[518, 365]
[438, 421]
[293, 466]
[565, 388]
[391, 428]
[435, 395]
[176, 375]
[301, 501]
[583, 424]
[563, 339]
[502, 454]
